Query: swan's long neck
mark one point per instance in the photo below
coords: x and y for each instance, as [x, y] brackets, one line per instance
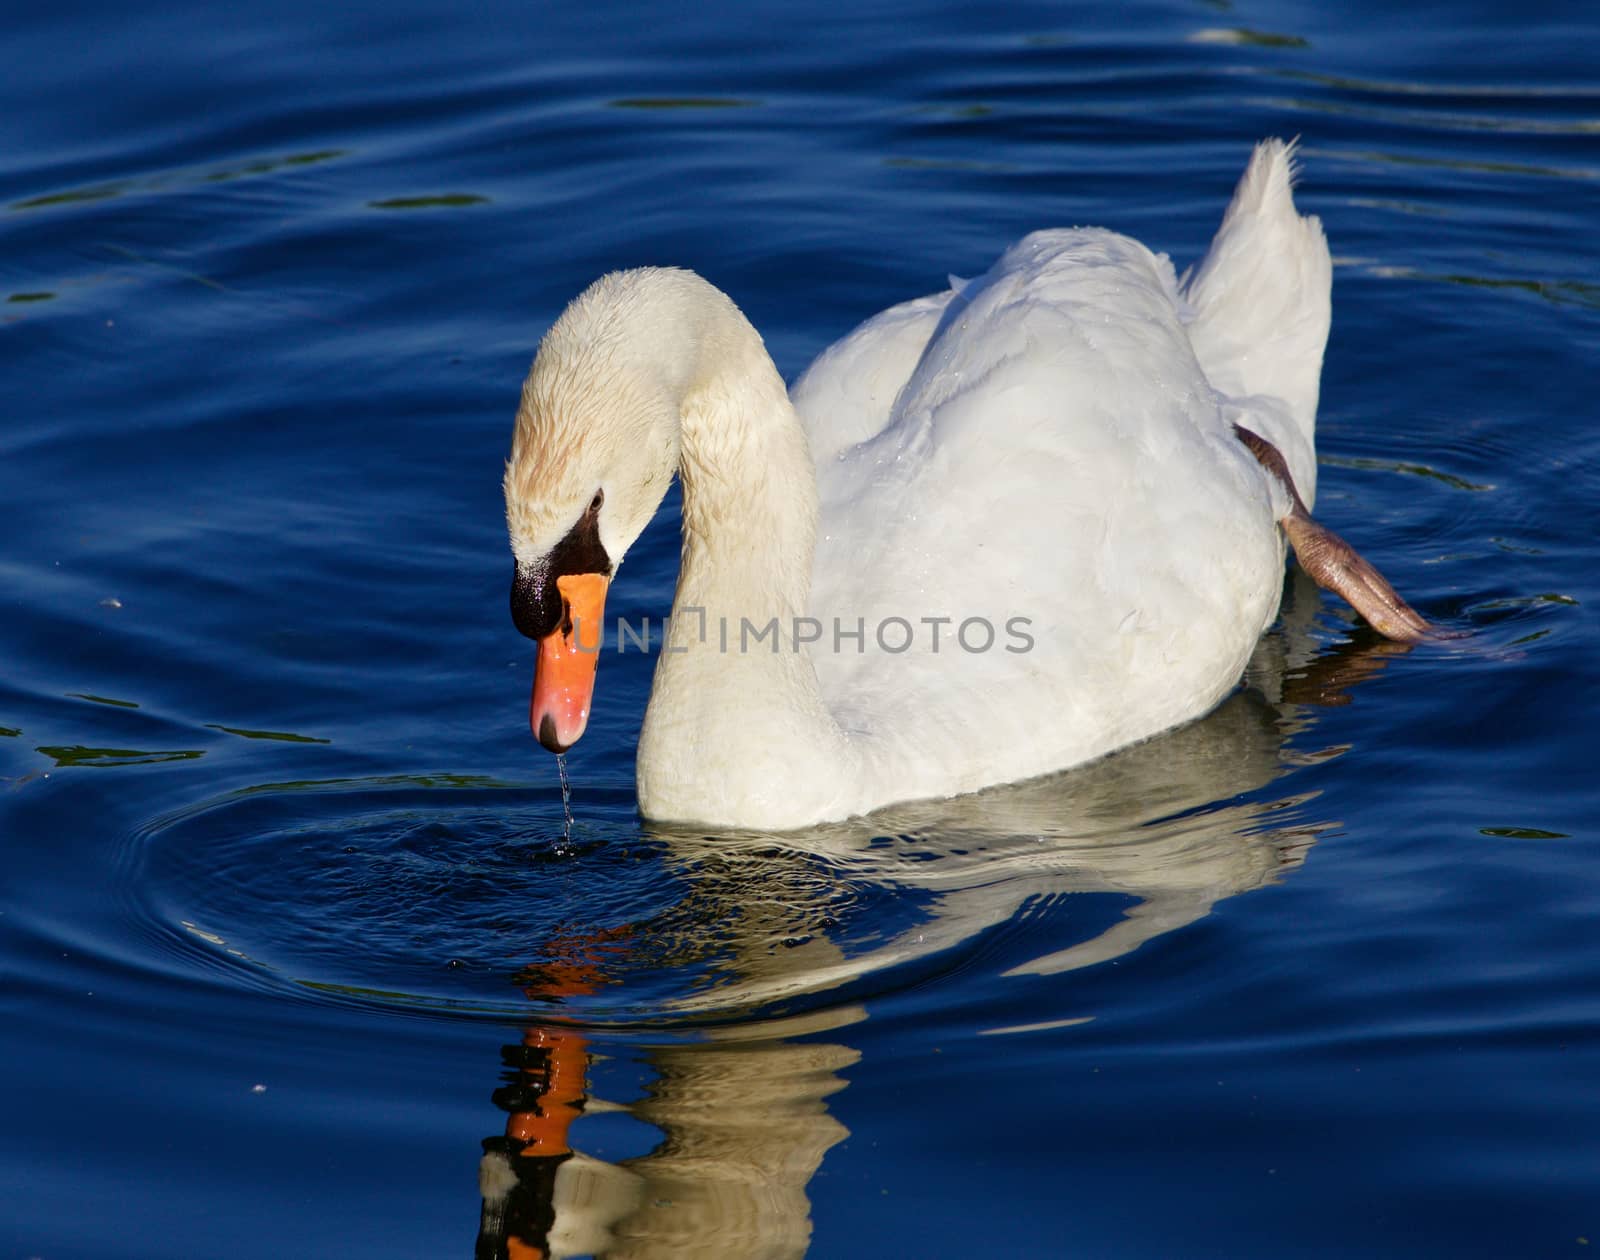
[749, 498]
[735, 700]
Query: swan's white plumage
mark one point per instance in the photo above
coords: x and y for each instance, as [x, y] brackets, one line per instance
[1053, 442]
[1261, 299]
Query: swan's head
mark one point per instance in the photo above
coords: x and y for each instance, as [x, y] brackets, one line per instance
[595, 448]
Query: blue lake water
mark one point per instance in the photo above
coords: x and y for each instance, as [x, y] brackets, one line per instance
[296, 958]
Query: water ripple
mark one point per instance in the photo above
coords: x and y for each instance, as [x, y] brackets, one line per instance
[464, 897]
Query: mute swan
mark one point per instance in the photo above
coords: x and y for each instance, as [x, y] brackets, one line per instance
[992, 533]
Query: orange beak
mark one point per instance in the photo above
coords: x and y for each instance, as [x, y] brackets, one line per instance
[563, 676]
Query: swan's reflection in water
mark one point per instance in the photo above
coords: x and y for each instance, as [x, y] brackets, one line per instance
[1177, 824]
[744, 1126]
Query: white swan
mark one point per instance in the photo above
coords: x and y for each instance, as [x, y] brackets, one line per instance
[1058, 485]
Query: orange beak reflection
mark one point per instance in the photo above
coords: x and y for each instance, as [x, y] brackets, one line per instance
[563, 676]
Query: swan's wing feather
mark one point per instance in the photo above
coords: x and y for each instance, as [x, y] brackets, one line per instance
[1262, 304]
[845, 397]
[1057, 455]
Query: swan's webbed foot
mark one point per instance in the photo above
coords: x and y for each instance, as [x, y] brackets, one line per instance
[1334, 564]
[1338, 567]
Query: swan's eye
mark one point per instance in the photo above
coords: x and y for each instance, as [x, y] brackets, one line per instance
[599, 498]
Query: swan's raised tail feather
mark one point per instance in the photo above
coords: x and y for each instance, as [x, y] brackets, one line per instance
[1262, 299]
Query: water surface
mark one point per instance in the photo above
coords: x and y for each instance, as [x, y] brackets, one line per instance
[298, 955]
